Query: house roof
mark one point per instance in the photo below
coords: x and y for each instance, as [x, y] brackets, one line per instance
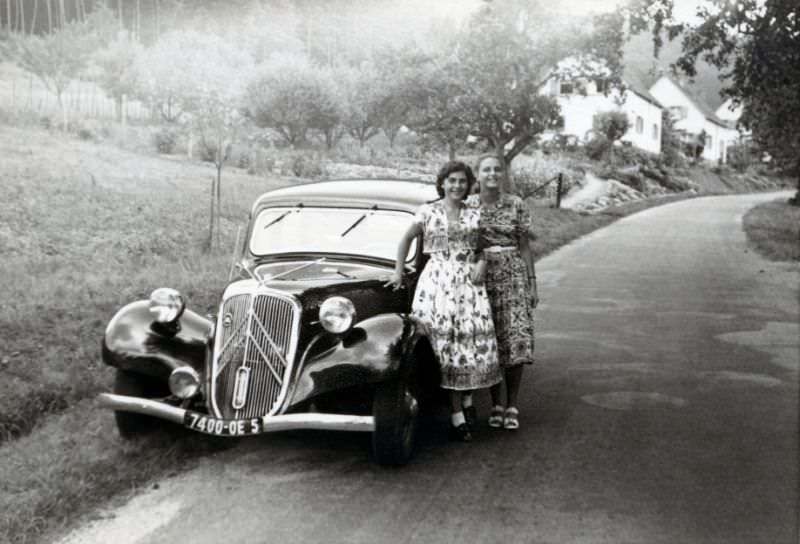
[636, 82]
[633, 82]
[698, 102]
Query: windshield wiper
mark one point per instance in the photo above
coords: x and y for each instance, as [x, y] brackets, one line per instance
[281, 216]
[357, 221]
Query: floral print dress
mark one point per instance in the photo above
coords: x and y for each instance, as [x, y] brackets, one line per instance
[455, 311]
[502, 225]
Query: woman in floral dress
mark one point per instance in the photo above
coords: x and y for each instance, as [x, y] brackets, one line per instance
[505, 227]
[454, 309]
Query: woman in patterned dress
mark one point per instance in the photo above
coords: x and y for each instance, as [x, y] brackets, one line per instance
[505, 227]
[454, 309]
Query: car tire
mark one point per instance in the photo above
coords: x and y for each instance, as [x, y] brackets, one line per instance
[396, 412]
[130, 424]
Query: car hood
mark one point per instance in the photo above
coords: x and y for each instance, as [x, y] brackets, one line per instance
[311, 282]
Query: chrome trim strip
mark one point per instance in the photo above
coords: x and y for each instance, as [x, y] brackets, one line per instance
[318, 421]
[285, 422]
[141, 406]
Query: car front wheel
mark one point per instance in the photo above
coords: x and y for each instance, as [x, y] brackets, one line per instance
[396, 413]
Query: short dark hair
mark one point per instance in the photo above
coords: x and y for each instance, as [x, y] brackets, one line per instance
[449, 168]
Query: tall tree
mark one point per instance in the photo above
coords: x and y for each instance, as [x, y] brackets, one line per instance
[33, 19]
[612, 126]
[491, 71]
[114, 69]
[756, 44]
[286, 96]
[361, 90]
[21, 15]
[218, 122]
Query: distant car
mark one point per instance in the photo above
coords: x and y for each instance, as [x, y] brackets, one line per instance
[306, 337]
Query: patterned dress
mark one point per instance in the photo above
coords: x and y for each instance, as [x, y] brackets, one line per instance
[502, 225]
[455, 311]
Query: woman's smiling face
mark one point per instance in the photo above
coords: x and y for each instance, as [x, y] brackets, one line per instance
[490, 173]
[455, 186]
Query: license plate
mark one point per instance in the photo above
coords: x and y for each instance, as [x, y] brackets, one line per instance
[221, 427]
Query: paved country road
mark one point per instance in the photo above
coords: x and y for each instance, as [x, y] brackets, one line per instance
[663, 409]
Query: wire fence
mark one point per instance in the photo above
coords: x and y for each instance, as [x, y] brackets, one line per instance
[23, 92]
[559, 179]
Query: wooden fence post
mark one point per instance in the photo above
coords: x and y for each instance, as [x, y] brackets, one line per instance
[558, 190]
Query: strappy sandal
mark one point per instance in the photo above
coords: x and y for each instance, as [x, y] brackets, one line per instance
[496, 417]
[511, 419]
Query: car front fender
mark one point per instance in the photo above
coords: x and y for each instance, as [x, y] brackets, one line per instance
[374, 351]
[134, 342]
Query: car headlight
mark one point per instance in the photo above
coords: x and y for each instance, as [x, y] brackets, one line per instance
[337, 314]
[184, 382]
[166, 305]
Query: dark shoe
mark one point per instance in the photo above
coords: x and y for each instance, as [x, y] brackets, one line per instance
[460, 433]
[471, 415]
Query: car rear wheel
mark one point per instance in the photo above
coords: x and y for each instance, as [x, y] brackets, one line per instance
[130, 424]
[396, 413]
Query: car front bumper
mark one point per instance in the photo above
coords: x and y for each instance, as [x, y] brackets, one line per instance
[282, 422]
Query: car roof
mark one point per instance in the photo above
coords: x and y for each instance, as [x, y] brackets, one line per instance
[385, 193]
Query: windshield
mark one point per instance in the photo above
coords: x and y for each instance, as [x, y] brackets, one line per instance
[355, 231]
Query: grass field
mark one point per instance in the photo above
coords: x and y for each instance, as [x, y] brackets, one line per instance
[773, 229]
[84, 229]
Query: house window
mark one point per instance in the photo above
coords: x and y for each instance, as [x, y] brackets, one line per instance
[566, 88]
[655, 131]
[709, 141]
[639, 124]
[601, 85]
[679, 112]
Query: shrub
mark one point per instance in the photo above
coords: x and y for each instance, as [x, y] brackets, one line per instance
[303, 166]
[165, 140]
[671, 152]
[630, 177]
[596, 147]
[742, 155]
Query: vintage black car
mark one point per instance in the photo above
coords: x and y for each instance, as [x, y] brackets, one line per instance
[307, 335]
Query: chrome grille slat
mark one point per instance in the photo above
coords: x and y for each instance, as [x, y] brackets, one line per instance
[261, 335]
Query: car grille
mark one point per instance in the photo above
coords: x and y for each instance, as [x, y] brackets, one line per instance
[255, 346]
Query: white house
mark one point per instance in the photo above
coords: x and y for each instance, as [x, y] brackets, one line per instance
[579, 110]
[728, 112]
[695, 118]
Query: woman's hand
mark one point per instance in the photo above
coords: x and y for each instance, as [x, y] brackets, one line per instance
[534, 293]
[395, 281]
[478, 274]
